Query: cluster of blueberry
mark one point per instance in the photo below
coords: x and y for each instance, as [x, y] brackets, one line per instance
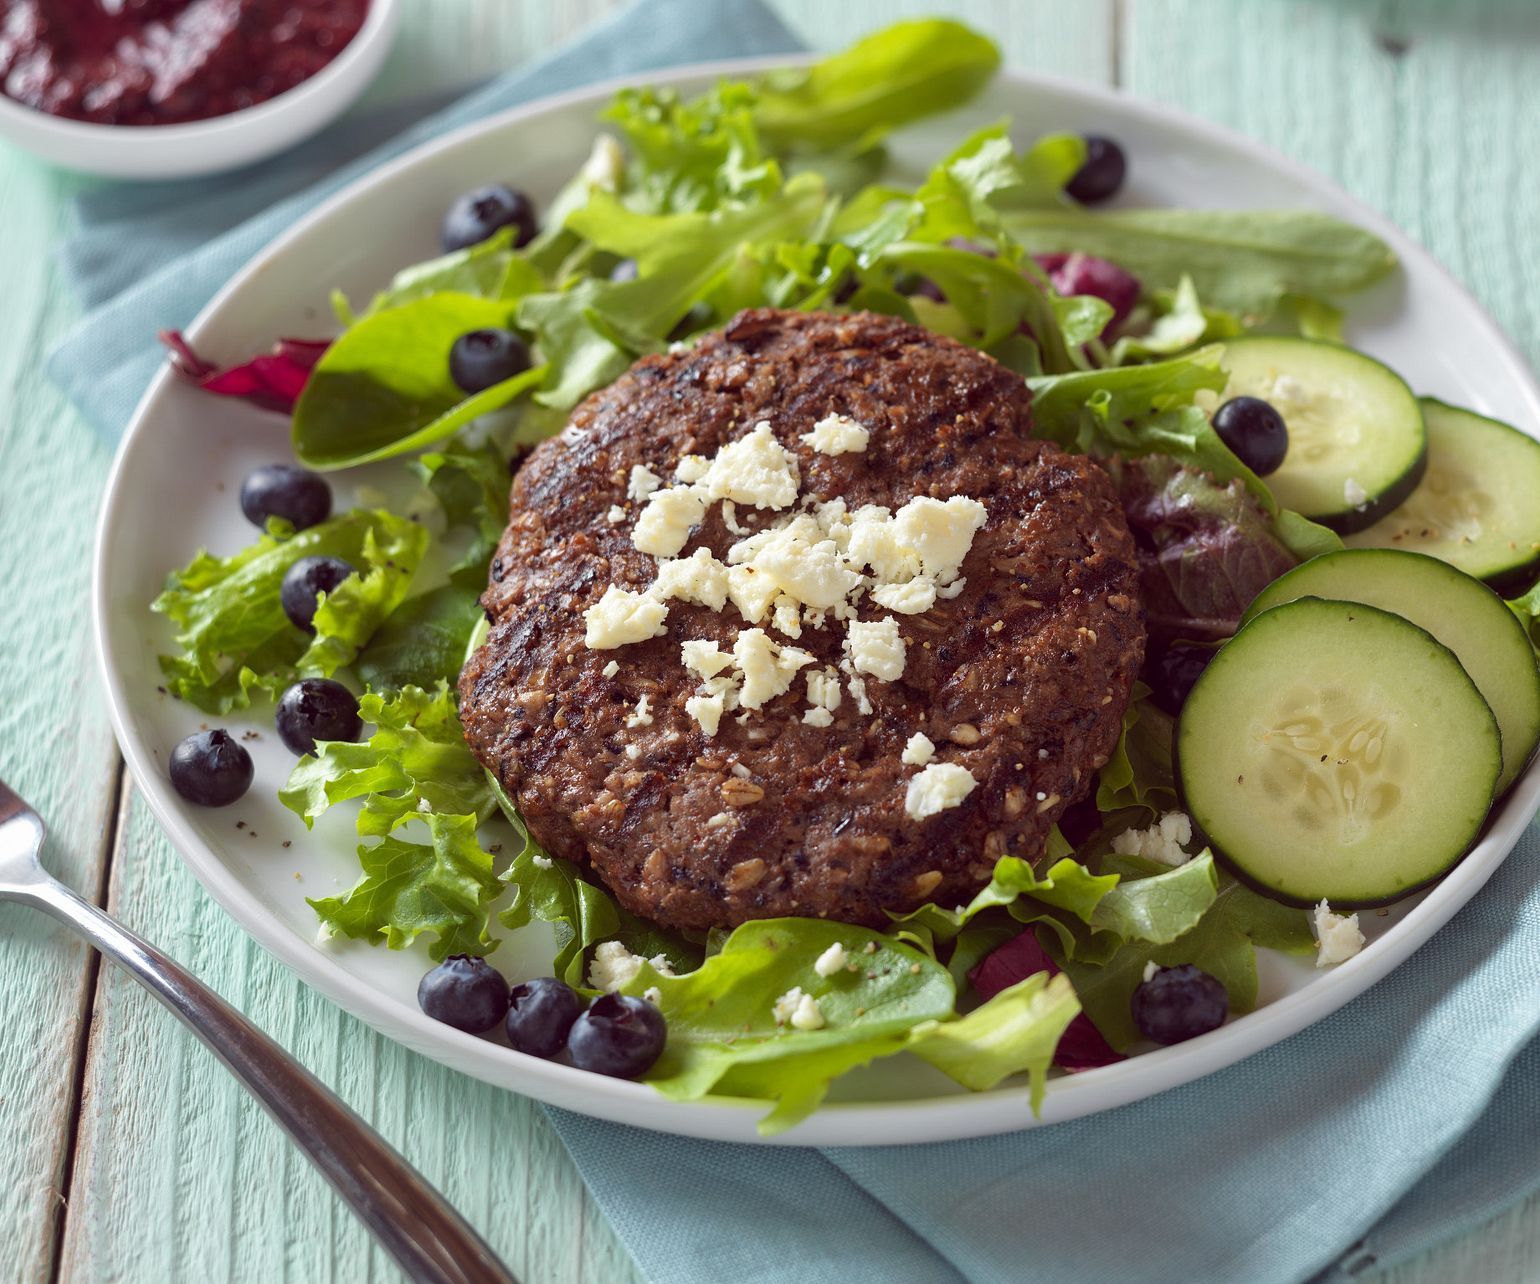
[615, 1035]
[211, 768]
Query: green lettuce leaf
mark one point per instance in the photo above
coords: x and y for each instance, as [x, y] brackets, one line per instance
[234, 637]
[383, 388]
[722, 1033]
[1140, 773]
[1244, 261]
[891, 77]
[491, 269]
[423, 642]
[441, 887]
[415, 764]
[1015, 1032]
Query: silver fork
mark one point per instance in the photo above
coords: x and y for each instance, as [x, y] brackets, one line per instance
[429, 1240]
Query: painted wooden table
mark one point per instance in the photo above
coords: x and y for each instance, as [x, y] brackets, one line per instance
[125, 1152]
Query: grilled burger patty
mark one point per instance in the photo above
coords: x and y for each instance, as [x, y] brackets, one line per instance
[1022, 678]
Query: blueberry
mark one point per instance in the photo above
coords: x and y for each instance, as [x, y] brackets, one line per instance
[1102, 174]
[623, 271]
[478, 213]
[1254, 431]
[465, 992]
[304, 582]
[295, 494]
[618, 1035]
[209, 768]
[1179, 1003]
[486, 357]
[1172, 672]
[317, 709]
[540, 1012]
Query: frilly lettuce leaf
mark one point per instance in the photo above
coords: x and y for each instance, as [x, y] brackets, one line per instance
[414, 764]
[441, 887]
[1140, 772]
[236, 639]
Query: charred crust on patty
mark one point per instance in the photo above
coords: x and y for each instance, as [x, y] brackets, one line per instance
[1037, 655]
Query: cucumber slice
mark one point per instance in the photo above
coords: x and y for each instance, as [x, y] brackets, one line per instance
[1477, 506]
[1333, 750]
[1462, 613]
[1357, 444]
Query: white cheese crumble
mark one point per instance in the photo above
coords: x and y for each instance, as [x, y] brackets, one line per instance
[542, 862]
[913, 598]
[940, 786]
[621, 617]
[605, 164]
[823, 695]
[755, 469]
[876, 648]
[798, 1010]
[614, 966]
[831, 960]
[1161, 842]
[837, 435]
[706, 710]
[1354, 494]
[767, 668]
[920, 750]
[786, 617]
[1337, 937]
[641, 718]
[653, 995]
[642, 482]
[611, 669]
[697, 578]
[1150, 969]
[691, 468]
[616, 514]
[668, 519]
[705, 658]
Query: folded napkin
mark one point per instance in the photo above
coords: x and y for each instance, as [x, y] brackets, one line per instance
[1409, 1116]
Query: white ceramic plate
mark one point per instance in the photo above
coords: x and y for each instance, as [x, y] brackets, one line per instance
[174, 488]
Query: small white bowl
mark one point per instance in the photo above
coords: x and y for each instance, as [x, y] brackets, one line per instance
[221, 142]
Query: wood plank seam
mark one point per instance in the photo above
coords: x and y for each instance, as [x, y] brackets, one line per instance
[84, 1026]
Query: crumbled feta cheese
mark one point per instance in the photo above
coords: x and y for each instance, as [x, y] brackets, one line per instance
[913, 598]
[704, 658]
[642, 482]
[697, 578]
[541, 862]
[616, 514]
[837, 435]
[823, 694]
[1161, 842]
[615, 966]
[633, 752]
[1150, 969]
[706, 710]
[1354, 494]
[831, 960]
[797, 557]
[755, 469]
[730, 518]
[940, 534]
[1337, 937]
[751, 592]
[798, 1010]
[876, 648]
[767, 668]
[857, 685]
[653, 995]
[691, 468]
[605, 164]
[611, 669]
[920, 750]
[786, 617]
[668, 519]
[641, 718]
[621, 617]
[940, 786]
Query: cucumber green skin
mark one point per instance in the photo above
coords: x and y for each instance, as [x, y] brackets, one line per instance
[1259, 884]
[1377, 567]
[1348, 520]
[1506, 581]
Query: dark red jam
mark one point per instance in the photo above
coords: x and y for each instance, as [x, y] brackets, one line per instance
[164, 62]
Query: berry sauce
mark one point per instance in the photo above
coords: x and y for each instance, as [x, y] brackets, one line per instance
[165, 62]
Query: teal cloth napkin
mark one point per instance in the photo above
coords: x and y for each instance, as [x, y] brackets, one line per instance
[1409, 1116]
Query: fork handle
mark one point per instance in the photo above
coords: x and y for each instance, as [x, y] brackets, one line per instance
[431, 1242]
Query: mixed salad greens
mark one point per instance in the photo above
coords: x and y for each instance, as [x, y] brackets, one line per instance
[773, 192]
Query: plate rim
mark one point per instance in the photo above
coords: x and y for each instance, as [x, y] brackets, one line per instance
[838, 1123]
